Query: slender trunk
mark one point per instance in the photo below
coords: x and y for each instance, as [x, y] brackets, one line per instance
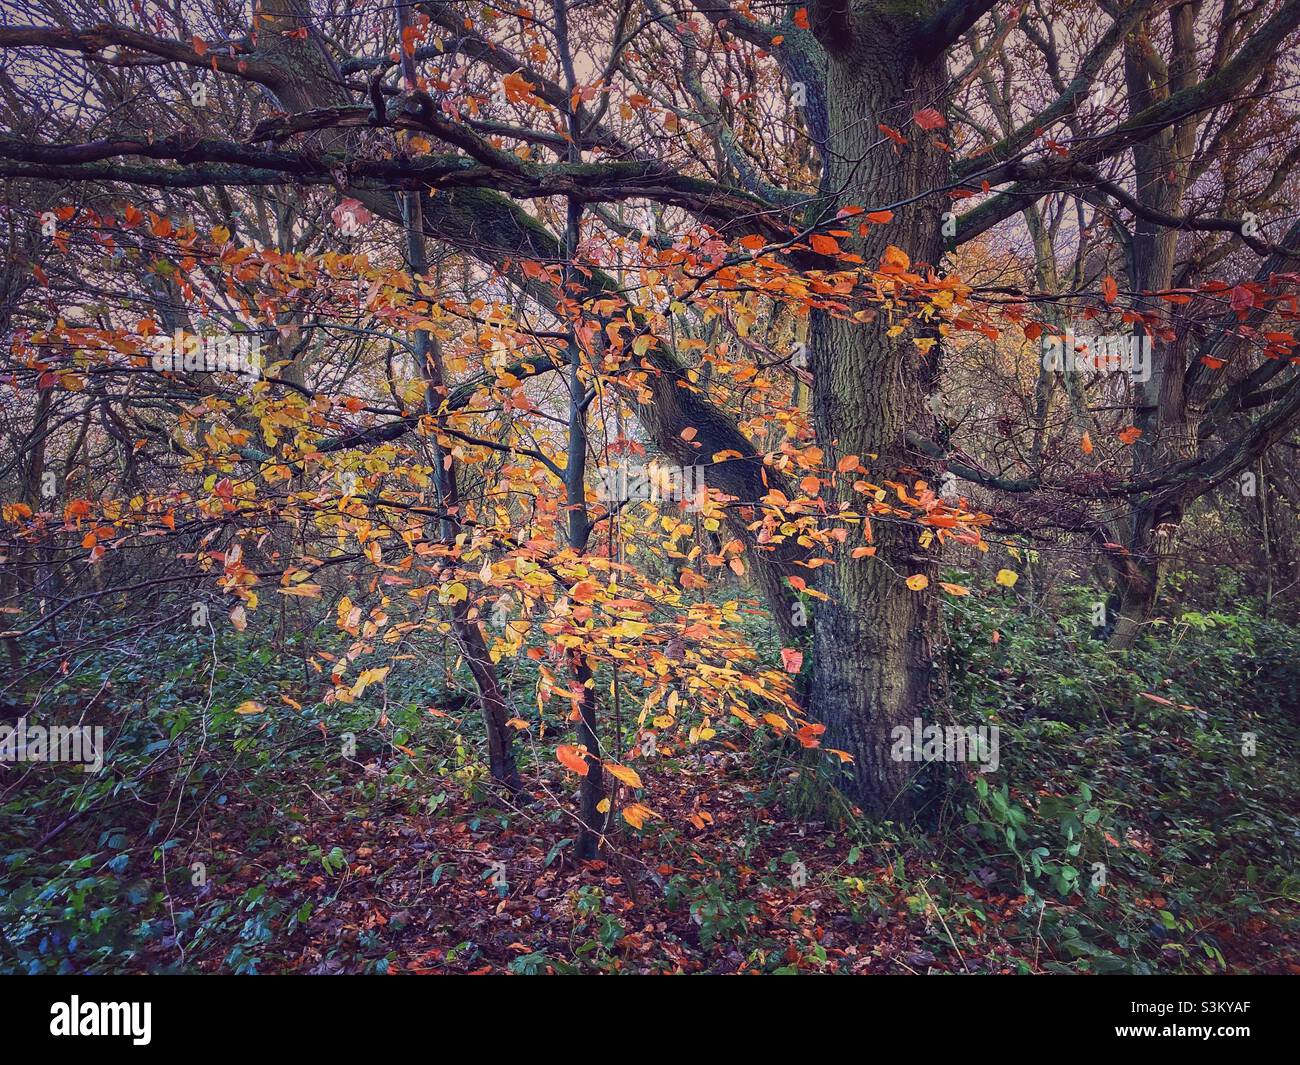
[469, 637]
[591, 791]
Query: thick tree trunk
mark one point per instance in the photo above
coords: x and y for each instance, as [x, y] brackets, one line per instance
[875, 640]
[1167, 424]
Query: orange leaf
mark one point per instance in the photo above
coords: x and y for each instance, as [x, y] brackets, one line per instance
[691, 579]
[895, 260]
[573, 759]
[929, 119]
[635, 814]
[824, 245]
[626, 775]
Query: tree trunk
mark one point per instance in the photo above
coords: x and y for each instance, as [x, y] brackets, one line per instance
[875, 639]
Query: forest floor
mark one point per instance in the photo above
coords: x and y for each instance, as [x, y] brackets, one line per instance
[419, 893]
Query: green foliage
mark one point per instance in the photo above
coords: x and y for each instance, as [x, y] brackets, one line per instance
[1128, 810]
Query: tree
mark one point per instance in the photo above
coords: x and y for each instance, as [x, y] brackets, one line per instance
[691, 173]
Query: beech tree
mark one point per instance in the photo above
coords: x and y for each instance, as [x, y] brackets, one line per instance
[748, 229]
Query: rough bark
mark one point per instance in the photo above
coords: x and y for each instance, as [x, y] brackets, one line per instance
[875, 639]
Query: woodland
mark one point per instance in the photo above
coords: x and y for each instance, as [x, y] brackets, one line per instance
[649, 486]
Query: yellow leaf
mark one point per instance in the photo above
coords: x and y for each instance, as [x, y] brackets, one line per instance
[368, 677]
[1007, 578]
[453, 593]
[305, 591]
[918, 582]
[635, 814]
[249, 706]
[626, 775]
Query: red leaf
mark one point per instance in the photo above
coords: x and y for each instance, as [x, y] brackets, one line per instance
[929, 119]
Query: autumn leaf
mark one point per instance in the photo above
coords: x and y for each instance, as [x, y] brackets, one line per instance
[691, 580]
[824, 245]
[895, 260]
[302, 591]
[626, 775]
[518, 89]
[249, 706]
[929, 119]
[636, 815]
[1109, 289]
[573, 759]
[1086, 444]
[1131, 435]
[1007, 578]
[791, 659]
[918, 582]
